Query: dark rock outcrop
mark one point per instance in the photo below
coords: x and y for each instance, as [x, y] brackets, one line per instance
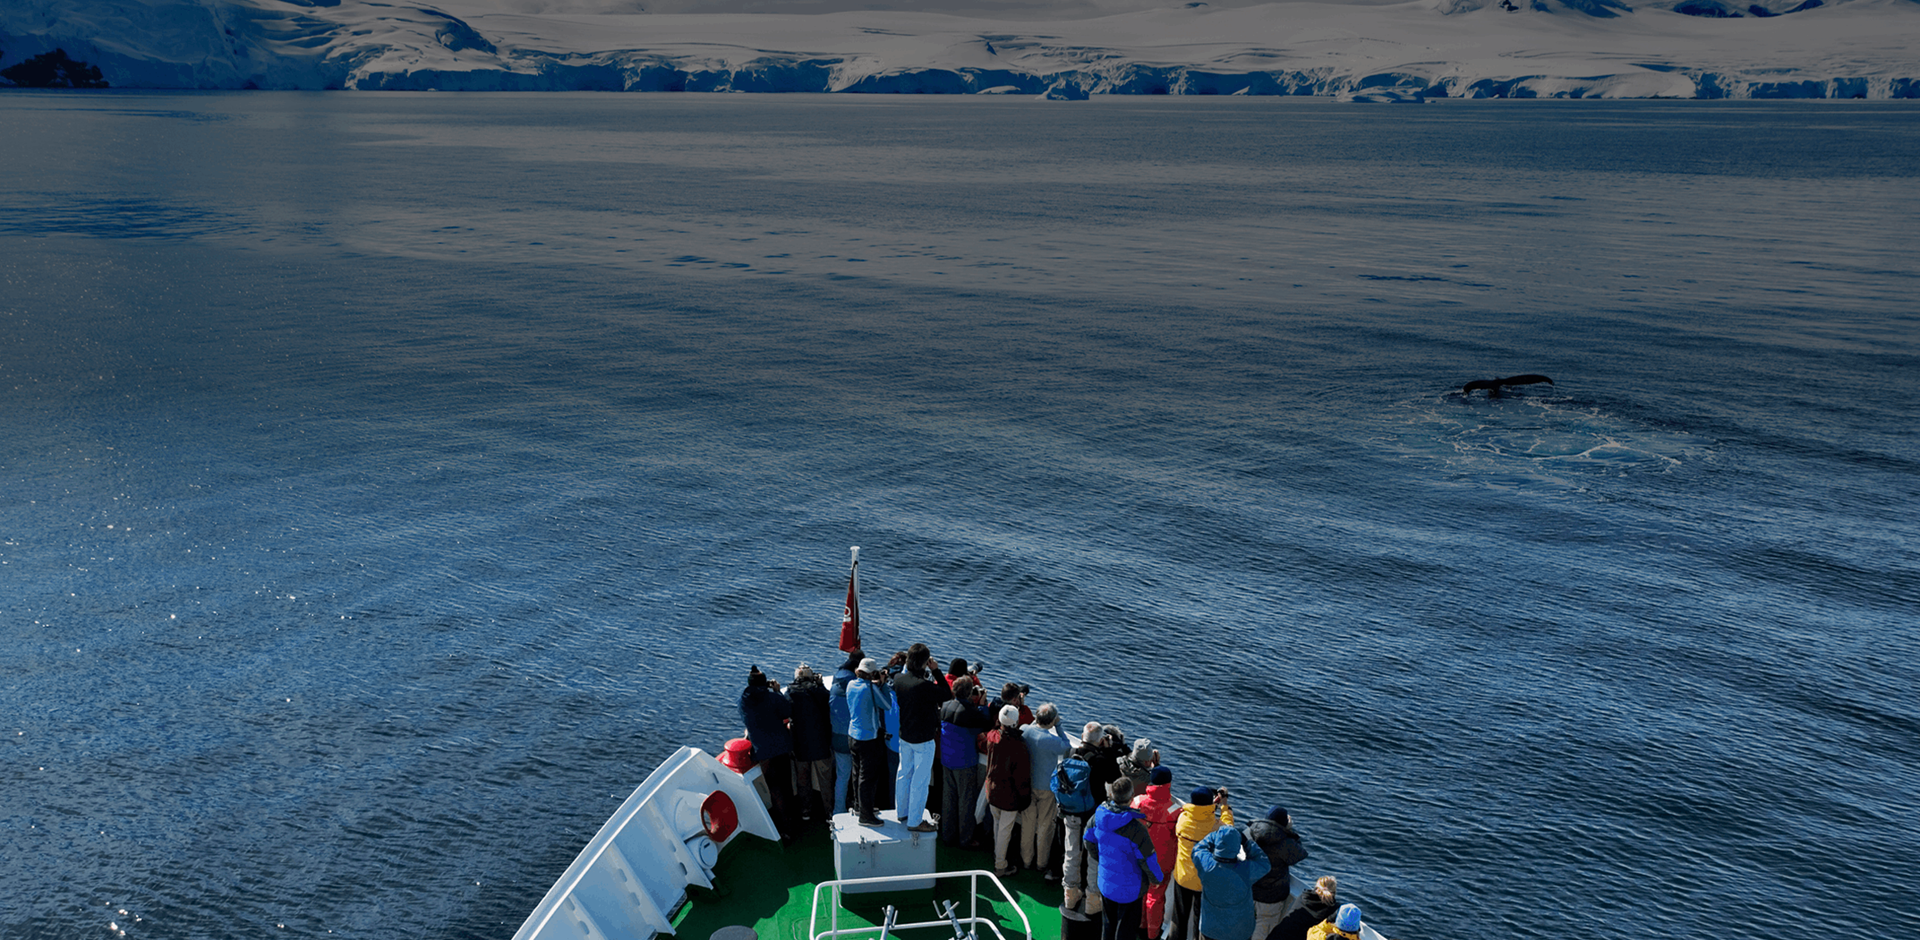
[54, 70]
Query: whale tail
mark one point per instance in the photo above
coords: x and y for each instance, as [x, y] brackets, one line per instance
[1493, 386]
[1528, 379]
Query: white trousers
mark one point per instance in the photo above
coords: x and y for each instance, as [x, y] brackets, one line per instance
[915, 776]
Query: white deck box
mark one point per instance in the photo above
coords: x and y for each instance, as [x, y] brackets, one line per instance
[868, 852]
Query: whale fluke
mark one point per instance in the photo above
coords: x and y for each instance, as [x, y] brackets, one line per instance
[1493, 386]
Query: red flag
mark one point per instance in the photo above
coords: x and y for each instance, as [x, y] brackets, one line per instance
[850, 621]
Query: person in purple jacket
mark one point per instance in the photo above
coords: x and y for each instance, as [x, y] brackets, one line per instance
[962, 720]
[1122, 852]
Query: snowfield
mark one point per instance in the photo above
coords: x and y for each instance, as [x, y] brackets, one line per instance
[1367, 51]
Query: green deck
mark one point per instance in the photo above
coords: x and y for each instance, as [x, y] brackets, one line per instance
[769, 887]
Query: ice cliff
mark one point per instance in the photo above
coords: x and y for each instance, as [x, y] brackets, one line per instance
[1389, 51]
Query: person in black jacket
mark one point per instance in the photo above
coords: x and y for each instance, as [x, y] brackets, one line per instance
[1316, 905]
[919, 694]
[1276, 837]
[764, 712]
[812, 727]
[1104, 749]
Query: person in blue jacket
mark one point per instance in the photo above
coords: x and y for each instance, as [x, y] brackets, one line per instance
[842, 744]
[1228, 866]
[869, 700]
[1123, 856]
[886, 800]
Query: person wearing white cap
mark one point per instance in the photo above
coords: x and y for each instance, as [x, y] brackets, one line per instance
[867, 706]
[1009, 782]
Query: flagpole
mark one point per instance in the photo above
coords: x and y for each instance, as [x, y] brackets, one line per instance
[850, 621]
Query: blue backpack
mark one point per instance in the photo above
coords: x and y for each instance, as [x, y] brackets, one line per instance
[1073, 785]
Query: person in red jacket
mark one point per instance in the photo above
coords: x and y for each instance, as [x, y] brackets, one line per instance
[1009, 782]
[1162, 812]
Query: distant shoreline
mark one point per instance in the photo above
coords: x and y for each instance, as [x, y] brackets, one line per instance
[1410, 51]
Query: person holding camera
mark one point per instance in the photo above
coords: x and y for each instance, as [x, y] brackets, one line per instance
[869, 699]
[958, 667]
[842, 744]
[962, 721]
[765, 712]
[1015, 694]
[811, 728]
[919, 693]
[1206, 810]
[1077, 881]
[1138, 763]
[1009, 783]
[1272, 893]
[1228, 865]
[1046, 745]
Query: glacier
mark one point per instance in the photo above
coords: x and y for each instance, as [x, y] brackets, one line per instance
[1362, 51]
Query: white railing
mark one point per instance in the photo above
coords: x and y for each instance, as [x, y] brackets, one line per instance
[834, 932]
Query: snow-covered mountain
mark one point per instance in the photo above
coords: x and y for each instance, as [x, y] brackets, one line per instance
[1422, 48]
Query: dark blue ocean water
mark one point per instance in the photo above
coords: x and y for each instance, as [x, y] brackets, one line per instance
[388, 482]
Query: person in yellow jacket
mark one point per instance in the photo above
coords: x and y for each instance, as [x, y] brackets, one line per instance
[1206, 810]
[1342, 926]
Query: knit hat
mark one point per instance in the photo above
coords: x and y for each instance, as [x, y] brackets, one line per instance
[1277, 814]
[1142, 750]
[1348, 919]
[1201, 796]
[1161, 776]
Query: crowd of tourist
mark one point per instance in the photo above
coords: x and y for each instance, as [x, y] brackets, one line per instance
[900, 738]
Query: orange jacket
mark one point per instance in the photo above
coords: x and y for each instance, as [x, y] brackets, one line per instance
[1195, 822]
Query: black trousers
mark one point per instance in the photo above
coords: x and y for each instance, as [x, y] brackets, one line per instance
[869, 765]
[1120, 920]
[778, 773]
[1186, 912]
